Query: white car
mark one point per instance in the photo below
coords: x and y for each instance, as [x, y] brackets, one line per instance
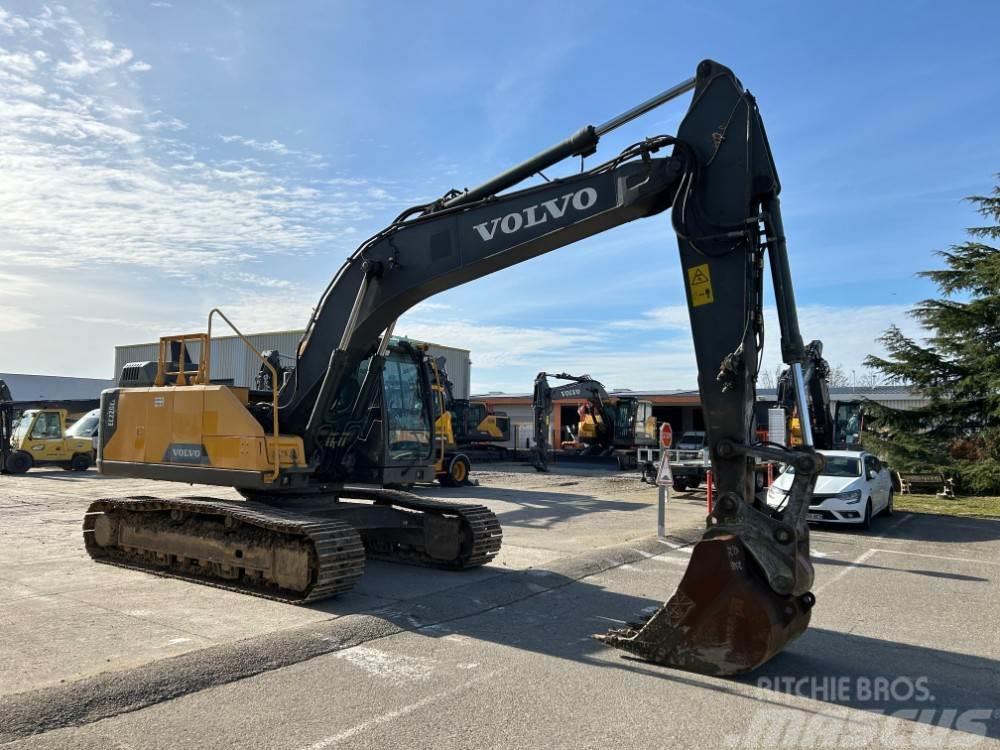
[853, 488]
[86, 427]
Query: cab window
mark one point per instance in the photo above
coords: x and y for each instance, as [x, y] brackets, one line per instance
[46, 427]
[409, 423]
[477, 413]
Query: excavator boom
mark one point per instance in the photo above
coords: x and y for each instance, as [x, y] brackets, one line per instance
[747, 591]
[581, 387]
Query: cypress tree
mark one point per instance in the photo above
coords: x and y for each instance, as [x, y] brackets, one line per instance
[956, 366]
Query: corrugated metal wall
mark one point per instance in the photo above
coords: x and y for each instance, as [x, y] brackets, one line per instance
[233, 361]
[522, 426]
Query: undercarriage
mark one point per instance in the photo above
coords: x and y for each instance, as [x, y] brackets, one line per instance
[297, 549]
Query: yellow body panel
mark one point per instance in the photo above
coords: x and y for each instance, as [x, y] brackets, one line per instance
[203, 425]
[587, 428]
[490, 427]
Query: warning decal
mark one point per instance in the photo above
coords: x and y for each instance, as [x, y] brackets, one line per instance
[700, 285]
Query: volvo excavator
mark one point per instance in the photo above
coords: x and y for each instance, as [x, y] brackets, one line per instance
[313, 453]
[609, 425]
[473, 423]
[816, 374]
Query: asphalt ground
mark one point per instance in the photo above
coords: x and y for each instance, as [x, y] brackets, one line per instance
[902, 650]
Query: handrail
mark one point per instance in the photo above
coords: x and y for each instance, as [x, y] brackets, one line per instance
[274, 381]
[200, 374]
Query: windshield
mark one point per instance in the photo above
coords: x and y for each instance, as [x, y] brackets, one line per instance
[692, 440]
[836, 466]
[21, 427]
[86, 426]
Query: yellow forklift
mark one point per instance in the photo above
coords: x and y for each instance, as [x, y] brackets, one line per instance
[39, 438]
[451, 466]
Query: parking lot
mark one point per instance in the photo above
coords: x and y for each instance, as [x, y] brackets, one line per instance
[902, 650]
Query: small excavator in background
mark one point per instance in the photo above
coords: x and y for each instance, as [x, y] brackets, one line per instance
[474, 424]
[816, 374]
[609, 425]
[313, 453]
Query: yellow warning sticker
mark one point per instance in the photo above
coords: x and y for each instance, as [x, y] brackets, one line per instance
[700, 284]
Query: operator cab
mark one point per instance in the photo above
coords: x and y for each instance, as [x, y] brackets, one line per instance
[398, 445]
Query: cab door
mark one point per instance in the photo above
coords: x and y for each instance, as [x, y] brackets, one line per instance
[45, 438]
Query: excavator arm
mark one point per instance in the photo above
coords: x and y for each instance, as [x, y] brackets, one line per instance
[746, 592]
[419, 256]
[582, 387]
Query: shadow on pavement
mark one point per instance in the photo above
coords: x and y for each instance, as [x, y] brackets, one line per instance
[60, 474]
[924, 527]
[543, 508]
[929, 573]
[557, 617]
[909, 678]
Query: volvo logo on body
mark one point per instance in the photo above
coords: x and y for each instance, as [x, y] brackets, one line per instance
[186, 453]
[540, 213]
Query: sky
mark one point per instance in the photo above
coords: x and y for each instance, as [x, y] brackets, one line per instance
[158, 159]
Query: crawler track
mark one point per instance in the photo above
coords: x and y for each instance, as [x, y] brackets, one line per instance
[239, 540]
[480, 532]
[297, 557]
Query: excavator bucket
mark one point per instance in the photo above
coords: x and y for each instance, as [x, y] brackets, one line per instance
[724, 619]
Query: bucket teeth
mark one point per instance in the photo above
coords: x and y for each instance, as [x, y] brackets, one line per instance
[723, 619]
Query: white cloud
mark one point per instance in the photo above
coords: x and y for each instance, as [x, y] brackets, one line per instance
[668, 318]
[14, 318]
[91, 177]
[140, 67]
[653, 351]
[275, 147]
[493, 345]
[17, 62]
[96, 56]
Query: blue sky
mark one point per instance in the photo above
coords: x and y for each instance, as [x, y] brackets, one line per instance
[160, 158]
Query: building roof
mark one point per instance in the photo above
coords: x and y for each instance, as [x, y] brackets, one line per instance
[297, 332]
[53, 387]
[860, 393]
[894, 394]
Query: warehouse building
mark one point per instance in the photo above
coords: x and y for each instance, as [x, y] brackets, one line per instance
[682, 409]
[25, 387]
[233, 363]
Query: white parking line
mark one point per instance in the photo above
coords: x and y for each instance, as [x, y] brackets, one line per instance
[852, 566]
[684, 549]
[938, 557]
[393, 715]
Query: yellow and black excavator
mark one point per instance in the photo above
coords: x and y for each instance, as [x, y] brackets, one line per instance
[609, 425]
[815, 375]
[313, 453]
[473, 423]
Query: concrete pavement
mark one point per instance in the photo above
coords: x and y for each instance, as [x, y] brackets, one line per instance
[902, 652]
[71, 618]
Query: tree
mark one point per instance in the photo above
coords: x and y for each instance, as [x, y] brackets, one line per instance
[838, 377]
[957, 367]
